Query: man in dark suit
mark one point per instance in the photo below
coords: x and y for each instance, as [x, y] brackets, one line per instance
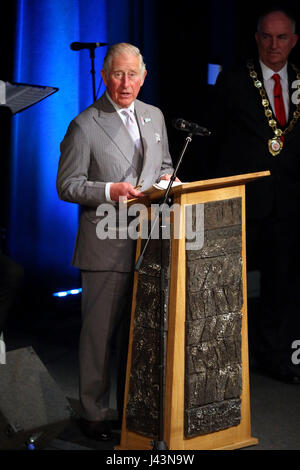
[251, 136]
[100, 162]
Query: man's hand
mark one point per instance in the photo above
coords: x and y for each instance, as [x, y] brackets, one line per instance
[168, 177]
[125, 190]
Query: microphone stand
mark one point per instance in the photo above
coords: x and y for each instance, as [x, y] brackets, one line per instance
[91, 46]
[92, 57]
[160, 444]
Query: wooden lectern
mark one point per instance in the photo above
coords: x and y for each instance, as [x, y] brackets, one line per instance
[206, 389]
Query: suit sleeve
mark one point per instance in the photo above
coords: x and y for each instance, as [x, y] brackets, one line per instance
[166, 166]
[73, 184]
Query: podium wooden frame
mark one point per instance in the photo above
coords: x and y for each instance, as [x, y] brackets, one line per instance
[233, 437]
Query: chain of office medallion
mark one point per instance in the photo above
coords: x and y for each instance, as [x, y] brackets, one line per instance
[265, 102]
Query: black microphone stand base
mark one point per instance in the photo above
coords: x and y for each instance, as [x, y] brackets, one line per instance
[159, 445]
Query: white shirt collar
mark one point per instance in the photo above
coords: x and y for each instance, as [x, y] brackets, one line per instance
[267, 72]
[117, 107]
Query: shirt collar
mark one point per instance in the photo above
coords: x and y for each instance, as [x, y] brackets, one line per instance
[117, 107]
[267, 72]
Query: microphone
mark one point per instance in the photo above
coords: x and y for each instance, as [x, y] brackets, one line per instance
[191, 127]
[77, 46]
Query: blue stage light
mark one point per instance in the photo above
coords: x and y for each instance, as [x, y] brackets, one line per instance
[212, 73]
[75, 291]
[65, 293]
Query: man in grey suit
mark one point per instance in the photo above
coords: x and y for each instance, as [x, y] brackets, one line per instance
[100, 162]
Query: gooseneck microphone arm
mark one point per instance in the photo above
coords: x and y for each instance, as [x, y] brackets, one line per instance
[172, 179]
[193, 129]
[159, 443]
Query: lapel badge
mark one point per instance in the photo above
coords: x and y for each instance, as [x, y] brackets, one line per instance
[145, 120]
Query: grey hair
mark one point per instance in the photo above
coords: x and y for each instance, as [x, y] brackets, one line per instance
[273, 10]
[122, 48]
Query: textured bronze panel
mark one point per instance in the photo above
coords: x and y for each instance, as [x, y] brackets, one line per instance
[213, 417]
[214, 299]
[143, 402]
[143, 396]
[214, 286]
[214, 385]
[213, 328]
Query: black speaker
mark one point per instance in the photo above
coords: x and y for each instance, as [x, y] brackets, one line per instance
[33, 410]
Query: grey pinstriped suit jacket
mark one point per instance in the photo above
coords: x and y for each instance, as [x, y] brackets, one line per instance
[97, 149]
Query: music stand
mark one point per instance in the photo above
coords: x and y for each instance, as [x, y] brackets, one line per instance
[19, 96]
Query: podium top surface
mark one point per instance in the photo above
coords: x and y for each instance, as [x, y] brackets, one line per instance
[215, 183]
[202, 185]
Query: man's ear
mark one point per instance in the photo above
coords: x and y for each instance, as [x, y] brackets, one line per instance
[103, 75]
[143, 78]
[295, 39]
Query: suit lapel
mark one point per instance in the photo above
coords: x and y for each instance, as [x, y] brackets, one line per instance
[146, 130]
[111, 123]
[255, 104]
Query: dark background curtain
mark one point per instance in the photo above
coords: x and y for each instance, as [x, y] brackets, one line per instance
[177, 39]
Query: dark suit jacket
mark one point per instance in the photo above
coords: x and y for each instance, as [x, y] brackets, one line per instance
[240, 145]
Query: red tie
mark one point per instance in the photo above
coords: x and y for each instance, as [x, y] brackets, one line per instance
[278, 101]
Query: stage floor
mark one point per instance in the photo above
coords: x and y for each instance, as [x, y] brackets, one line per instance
[275, 406]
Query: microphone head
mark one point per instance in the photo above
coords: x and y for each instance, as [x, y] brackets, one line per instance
[180, 124]
[190, 127]
[76, 46]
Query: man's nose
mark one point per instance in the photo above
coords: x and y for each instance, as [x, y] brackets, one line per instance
[274, 43]
[125, 80]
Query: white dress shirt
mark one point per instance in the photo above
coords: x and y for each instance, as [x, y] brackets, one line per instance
[269, 84]
[119, 111]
